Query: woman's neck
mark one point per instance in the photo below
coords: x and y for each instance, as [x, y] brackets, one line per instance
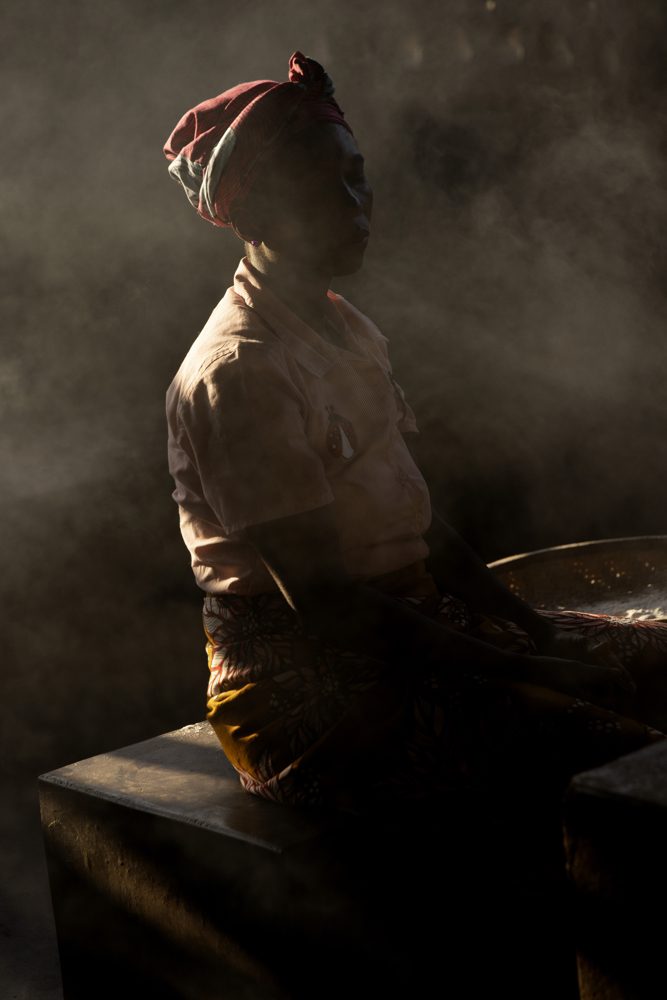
[303, 290]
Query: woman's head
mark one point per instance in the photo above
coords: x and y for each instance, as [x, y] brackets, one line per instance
[276, 157]
[311, 203]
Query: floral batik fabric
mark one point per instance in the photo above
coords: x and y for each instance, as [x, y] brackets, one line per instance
[306, 724]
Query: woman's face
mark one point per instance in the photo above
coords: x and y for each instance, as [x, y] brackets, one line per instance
[317, 202]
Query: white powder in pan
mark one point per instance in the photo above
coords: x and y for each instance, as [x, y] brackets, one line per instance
[651, 605]
[642, 614]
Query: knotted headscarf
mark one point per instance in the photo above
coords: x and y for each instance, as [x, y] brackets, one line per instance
[217, 147]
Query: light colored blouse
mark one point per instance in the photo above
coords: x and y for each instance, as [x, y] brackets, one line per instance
[266, 418]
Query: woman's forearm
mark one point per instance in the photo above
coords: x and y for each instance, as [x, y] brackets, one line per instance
[457, 569]
[369, 621]
[361, 618]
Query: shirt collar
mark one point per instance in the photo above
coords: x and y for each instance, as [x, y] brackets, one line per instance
[311, 350]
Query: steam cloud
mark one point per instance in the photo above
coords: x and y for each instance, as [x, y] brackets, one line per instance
[517, 262]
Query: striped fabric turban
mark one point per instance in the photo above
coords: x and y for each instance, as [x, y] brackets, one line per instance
[218, 146]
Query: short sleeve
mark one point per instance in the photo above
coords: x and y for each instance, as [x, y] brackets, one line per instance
[244, 421]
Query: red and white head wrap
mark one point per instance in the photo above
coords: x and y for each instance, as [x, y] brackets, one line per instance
[217, 146]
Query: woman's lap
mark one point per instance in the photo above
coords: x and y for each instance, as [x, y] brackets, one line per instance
[304, 723]
[504, 735]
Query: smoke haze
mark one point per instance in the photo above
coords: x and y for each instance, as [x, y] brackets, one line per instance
[517, 263]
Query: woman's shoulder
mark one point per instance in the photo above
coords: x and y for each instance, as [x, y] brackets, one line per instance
[234, 336]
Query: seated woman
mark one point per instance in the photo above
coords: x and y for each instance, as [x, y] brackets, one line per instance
[360, 653]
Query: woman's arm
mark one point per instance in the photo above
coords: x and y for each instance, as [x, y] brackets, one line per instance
[457, 569]
[302, 554]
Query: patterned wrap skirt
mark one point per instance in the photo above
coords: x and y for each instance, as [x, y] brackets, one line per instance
[305, 723]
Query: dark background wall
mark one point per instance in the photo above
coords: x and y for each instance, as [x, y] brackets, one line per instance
[518, 154]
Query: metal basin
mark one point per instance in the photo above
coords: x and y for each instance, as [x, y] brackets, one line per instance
[626, 577]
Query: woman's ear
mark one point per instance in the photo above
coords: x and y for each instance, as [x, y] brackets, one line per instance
[245, 226]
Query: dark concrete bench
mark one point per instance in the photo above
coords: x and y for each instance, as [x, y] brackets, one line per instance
[168, 878]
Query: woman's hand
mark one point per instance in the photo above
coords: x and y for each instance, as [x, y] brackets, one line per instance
[600, 683]
[573, 646]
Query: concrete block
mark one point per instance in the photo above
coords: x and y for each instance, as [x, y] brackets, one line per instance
[166, 877]
[615, 834]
